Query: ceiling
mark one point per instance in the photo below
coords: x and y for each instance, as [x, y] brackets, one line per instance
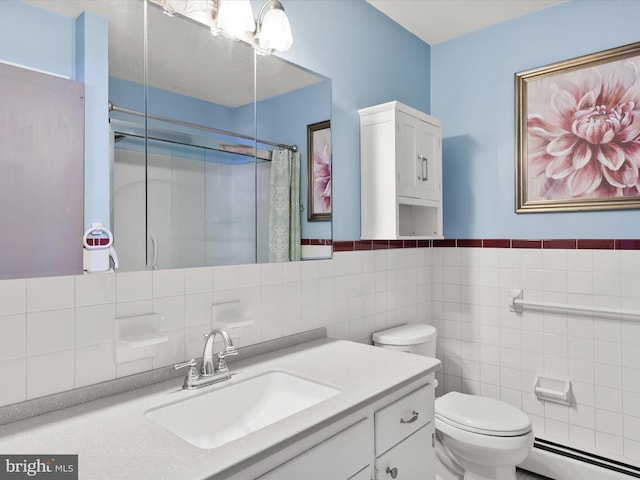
[436, 21]
[183, 56]
[189, 48]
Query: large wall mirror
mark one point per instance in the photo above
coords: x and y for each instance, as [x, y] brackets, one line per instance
[187, 182]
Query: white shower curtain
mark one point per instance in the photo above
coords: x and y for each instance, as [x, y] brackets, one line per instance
[284, 212]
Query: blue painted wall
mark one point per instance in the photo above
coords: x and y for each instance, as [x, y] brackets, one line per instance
[280, 119]
[472, 90]
[370, 60]
[284, 119]
[49, 48]
[77, 49]
[92, 69]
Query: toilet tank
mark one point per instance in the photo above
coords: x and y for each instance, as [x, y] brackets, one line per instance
[418, 338]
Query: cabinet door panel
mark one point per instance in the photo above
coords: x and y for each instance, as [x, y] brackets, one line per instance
[411, 459]
[418, 158]
[408, 165]
[338, 458]
[428, 153]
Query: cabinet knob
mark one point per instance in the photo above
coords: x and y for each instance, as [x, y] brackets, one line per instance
[414, 417]
[392, 471]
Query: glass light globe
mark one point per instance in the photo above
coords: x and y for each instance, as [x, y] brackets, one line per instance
[275, 32]
[236, 18]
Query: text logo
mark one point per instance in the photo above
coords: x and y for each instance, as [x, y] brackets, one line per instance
[50, 467]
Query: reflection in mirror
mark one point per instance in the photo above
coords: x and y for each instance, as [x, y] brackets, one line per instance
[207, 181]
[198, 193]
[96, 43]
[194, 78]
[285, 111]
[40, 186]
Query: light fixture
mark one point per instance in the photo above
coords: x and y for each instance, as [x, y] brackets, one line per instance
[235, 17]
[273, 31]
[195, 9]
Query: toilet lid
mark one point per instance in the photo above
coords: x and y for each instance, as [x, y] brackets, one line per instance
[410, 334]
[482, 415]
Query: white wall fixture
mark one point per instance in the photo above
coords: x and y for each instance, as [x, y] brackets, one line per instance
[517, 303]
[553, 389]
[400, 173]
[229, 316]
[137, 337]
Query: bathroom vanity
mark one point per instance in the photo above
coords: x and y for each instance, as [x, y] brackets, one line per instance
[378, 424]
[403, 447]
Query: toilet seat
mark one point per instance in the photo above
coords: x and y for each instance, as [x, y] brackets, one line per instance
[481, 415]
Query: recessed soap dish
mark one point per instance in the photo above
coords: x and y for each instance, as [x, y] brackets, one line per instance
[229, 315]
[138, 337]
[557, 390]
[143, 340]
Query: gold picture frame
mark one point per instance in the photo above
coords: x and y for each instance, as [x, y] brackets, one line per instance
[319, 171]
[578, 133]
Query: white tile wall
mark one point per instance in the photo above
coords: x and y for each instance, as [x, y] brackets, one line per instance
[57, 333]
[489, 350]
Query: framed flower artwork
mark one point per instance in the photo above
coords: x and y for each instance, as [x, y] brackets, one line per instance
[578, 133]
[319, 168]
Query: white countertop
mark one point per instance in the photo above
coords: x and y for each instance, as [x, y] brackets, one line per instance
[114, 440]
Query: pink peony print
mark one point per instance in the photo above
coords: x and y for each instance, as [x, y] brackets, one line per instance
[584, 133]
[322, 173]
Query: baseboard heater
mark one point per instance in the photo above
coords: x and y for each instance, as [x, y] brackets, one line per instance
[560, 462]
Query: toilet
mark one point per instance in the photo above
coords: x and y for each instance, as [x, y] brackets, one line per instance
[477, 438]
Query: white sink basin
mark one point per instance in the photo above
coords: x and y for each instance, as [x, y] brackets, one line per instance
[220, 416]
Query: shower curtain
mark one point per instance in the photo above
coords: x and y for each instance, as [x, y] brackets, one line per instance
[284, 212]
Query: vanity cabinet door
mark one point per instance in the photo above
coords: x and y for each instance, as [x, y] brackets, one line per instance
[342, 456]
[403, 417]
[411, 459]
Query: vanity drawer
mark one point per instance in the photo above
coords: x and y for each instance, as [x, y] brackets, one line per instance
[397, 421]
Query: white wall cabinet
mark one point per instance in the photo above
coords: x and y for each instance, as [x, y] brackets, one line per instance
[400, 173]
[402, 447]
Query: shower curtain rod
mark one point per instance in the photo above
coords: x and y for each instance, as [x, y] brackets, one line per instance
[114, 108]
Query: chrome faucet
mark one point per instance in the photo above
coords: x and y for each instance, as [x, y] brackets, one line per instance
[212, 371]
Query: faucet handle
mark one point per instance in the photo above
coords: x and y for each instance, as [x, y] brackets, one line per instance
[192, 374]
[191, 363]
[229, 351]
[222, 364]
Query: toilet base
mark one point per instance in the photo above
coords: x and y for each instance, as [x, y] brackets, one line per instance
[446, 468]
[444, 472]
[449, 469]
